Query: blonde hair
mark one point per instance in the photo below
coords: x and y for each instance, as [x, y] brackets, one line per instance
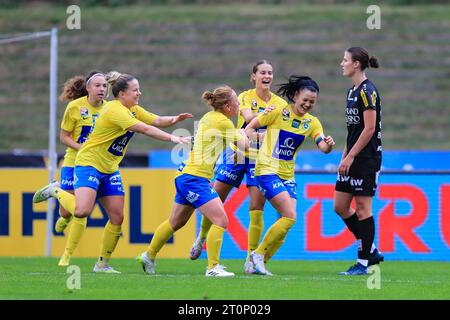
[219, 97]
[117, 82]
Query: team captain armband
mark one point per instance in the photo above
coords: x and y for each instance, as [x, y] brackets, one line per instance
[319, 137]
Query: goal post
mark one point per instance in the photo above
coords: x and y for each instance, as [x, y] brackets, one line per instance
[52, 165]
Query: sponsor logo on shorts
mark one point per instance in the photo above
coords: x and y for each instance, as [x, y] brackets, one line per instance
[94, 179]
[66, 182]
[115, 180]
[277, 184]
[192, 196]
[228, 174]
[356, 182]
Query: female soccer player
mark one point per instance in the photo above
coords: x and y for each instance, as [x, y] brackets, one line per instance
[287, 128]
[97, 163]
[79, 224]
[192, 182]
[235, 166]
[86, 100]
[361, 158]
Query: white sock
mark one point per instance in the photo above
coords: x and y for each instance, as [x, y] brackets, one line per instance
[364, 262]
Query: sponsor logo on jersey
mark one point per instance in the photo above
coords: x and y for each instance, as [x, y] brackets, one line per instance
[285, 114]
[353, 116]
[287, 144]
[84, 113]
[254, 104]
[295, 123]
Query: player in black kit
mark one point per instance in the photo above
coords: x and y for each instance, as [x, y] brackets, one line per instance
[361, 159]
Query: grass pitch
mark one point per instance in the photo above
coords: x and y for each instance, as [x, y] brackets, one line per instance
[41, 278]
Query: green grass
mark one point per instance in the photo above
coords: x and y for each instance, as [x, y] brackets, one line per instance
[41, 278]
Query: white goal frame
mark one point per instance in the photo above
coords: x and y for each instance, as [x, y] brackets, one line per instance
[52, 165]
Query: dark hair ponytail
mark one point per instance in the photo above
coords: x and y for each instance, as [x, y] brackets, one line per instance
[362, 55]
[297, 83]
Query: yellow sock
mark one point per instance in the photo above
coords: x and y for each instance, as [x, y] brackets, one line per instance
[214, 245]
[273, 249]
[75, 233]
[111, 235]
[275, 233]
[255, 229]
[205, 225]
[161, 236]
[65, 199]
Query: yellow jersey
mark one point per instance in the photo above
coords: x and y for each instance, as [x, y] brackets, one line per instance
[79, 118]
[108, 142]
[215, 132]
[285, 133]
[250, 100]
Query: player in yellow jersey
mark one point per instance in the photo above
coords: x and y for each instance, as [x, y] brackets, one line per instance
[192, 182]
[236, 165]
[97, 162]
[287, 128]
[86, 96]
[82, 127]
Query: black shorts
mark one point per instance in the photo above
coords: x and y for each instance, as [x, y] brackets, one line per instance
[362, 179]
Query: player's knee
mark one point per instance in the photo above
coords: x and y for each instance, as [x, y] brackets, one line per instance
[64, 213]
[221, 221]
[81, 212]
[340, 210]
[116, 219]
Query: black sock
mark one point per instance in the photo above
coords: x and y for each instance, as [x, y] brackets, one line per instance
[352, 224]
[366, 229]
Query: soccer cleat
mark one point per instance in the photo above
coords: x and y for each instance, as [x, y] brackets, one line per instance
[148, 265]
[45, 192]
[258, 264]
[248, 267]
[218, 271]
[64, 261]
[62, 223]
[197, 248]
[375, 257]
[355, 270]
[104, 268]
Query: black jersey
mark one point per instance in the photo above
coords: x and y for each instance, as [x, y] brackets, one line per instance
[358, 100]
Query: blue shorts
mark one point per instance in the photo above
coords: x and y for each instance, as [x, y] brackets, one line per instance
[105, 184]
[67, 178]
[193, 190]
[232, 173]
[271, 185]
